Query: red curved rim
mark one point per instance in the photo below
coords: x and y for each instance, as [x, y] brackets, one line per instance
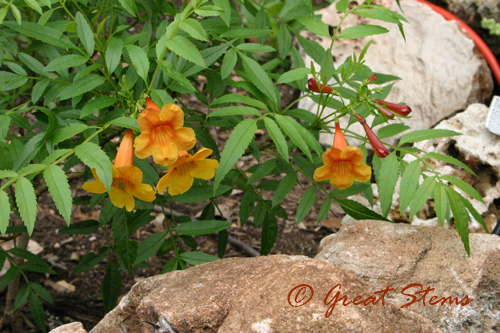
[480, 44]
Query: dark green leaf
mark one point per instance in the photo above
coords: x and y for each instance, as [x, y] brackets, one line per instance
[150, 246]
[197, 258]
[286, 184]
[305, 204]
[111, 287]
[85, 33]
[196, 228]
[80, 228]
[358, 211]
[26, 202]
[92, 155]
[57, 183]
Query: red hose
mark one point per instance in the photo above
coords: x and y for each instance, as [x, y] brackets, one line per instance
[480, 44]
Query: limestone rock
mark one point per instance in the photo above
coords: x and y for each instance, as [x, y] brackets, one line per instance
[397, 255]
[251, 295]
[75, 327]
[441, 72]
[477, 147]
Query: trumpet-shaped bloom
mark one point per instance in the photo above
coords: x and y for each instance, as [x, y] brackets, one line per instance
[180, 175]
[343, 164]
[162, 134]
[127, 179]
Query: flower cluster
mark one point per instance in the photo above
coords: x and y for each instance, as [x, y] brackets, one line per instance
[163, 137]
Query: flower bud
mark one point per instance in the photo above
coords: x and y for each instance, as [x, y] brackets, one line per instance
[151, 105]
[125, 154]
[386, 113]
[377, 146]
[402, 110]
[339, 140]
[313, 86]
[372, 78]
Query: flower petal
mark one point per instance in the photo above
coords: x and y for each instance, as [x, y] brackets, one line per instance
[341, 181]
[184, 138]
[148, 119]
[331, 155]
[322, 173]
[362, 173]
[353, 154]
[165, 153]
[142, 145]
[144, 192]
[201, 154]
[204, 169]
[121, 198]
[164, 181]
[130, 173]
[180, 183]
[95, 186]
[173, 115]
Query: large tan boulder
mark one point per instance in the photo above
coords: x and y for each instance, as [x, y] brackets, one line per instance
[254, 295]
[398, 255]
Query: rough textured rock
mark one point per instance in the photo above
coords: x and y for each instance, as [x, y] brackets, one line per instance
[477, 147]
[472, 12]
[397, 255]
[75, 327]
[441, 72]
[251, 295]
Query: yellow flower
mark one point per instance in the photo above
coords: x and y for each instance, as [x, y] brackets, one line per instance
[180, 175]
[162, 134]
[343, 164]
[127, 179]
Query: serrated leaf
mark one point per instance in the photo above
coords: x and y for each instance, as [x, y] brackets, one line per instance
[126, 122]
[194, 29]
[234, 98]
[200, 193]
[42, 292]
[448, 159]
[342, 5]
[113, 53]
[32, 63]
[262, 170]
[325, 208]
[60, 191]
[376, 14]
[387, 181]
[246, 206]
[3, 13]
[4, 211]
[285, 186]
[235, 111]
[391, 130]
[255, 47]
[22, 296]
[464, 187]
[80, 228]
[408, 186]
[38, 90]
[9, 276]
[359, 31]
[235, 148]
[68, 132]
[16, 13]
[196, 228]
[269, 234]
[89, 261]
[422, 194]
[139, 60]
[150, 246]
[225, 5]
[246, 33]
[426, 134]
[36, 309]
[461, 217]
[228, 63]
[125, 248]
[80, 87]
[315, 25]
[197, 258]
[294, 75]
[96, 104]
[358, 211]
[26, 202]
[277, 137]
[111, 287]
[305, 204]
[33, 4]
[5, 125]
[441, 205]
[41, 32]
[284, 41]
[130, 7]
[260, 78]
[184, 48]
[85, 33]
[475, 214]
[286, 124]
[93, 156]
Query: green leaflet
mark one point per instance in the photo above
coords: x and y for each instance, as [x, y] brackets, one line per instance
[57, 183]
[93, 156]
[287, 125]
[139, 60]
[184, 48]
[4, 212]
[197, 228]
[26, 202]
[359, 31]
[305, 204]
[197, 258]
[80, 87]
[386, 181]
[125, 248]
[260, 79]
[85, 33]
[409, 183]
[427, 134]
[285, 186]
[422, 194]
[111, 286]
[235, 148]
[460, 214]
